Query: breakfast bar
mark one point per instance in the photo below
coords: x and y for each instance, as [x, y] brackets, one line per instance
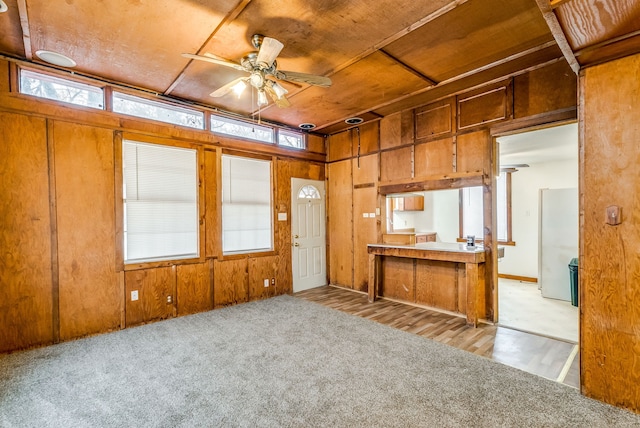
[446, 276]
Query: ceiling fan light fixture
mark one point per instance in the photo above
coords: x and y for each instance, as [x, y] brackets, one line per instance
[239, 88]
[306, 126]
[256, 80]
[279, 90]
[354, 120]
[262, 98]
[56, 58]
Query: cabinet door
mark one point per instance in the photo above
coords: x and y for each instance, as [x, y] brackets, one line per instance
[414, 203]
[397, 204]
[425, 237]
[409, 203]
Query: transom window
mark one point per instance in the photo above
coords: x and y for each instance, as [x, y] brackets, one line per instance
[73, 92]
[238, 128]
[148, 109]
[54, 88]
[291, 139]
[309, 192]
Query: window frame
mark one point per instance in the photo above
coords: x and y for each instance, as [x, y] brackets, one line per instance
[285, 132]
[230, 255]
[119, 182]
[509, 241]
[72, 83]
[157, 103]
[247, 124]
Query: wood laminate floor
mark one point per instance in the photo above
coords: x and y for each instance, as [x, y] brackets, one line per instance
[540, 355]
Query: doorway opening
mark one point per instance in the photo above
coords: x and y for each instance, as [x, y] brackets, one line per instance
[535, 284]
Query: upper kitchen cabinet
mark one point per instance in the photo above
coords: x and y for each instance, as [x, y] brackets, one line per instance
[408, 203]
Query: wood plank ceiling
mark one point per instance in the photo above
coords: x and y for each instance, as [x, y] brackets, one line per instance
[382, 56]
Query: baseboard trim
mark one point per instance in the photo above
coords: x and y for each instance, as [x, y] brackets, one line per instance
[517, 277]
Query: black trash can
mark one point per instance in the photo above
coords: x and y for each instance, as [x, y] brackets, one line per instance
[573, 275]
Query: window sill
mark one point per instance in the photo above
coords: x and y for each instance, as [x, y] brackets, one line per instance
[163, 263]
[255, 254]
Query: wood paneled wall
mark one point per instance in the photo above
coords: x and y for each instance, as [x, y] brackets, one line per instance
[609, 264]
[365, 220]
[444, 144]
[90, 296]
[62, 275]
[340, 221]
[26, 266]
[154, 287]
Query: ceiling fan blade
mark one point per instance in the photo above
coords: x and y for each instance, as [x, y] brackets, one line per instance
[281, 102]
[311, 79]
[215, 60]
[269, 50]
[224, 90]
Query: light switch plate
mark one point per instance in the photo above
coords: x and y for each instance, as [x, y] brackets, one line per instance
[282, 216]
[134, 295]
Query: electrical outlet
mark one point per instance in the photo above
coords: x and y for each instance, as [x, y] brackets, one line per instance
[169, 299]
[273, 281]
[134, 295]
[266, 282]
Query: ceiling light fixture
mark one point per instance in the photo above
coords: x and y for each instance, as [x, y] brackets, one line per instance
[354, 120]
[262, 98]
[279, 90]
[56, 58]
[306, 126]
[3, 6]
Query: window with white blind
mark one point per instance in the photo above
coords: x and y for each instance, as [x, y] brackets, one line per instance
[471, 207]
[247, 219]
[160, 202]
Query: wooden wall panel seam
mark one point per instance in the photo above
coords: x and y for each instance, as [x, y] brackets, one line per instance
[55, 272]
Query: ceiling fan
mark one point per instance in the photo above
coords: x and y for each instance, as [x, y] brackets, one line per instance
[262, 68]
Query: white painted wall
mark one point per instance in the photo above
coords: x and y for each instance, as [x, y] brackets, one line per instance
[446, 215]
[423, 221]
[440, 215]
[522, 259]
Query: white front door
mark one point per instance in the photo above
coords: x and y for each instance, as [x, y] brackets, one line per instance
[308, 234]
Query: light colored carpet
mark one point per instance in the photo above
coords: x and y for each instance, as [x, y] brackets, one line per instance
[279, 362]
[522, 306]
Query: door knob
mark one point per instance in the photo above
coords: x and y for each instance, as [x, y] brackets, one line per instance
[296, 236]
[296, 245]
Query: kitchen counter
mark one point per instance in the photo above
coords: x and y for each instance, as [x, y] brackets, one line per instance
[439, 274]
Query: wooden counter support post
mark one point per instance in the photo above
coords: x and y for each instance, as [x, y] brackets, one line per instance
[471, 271]
[374, 277]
